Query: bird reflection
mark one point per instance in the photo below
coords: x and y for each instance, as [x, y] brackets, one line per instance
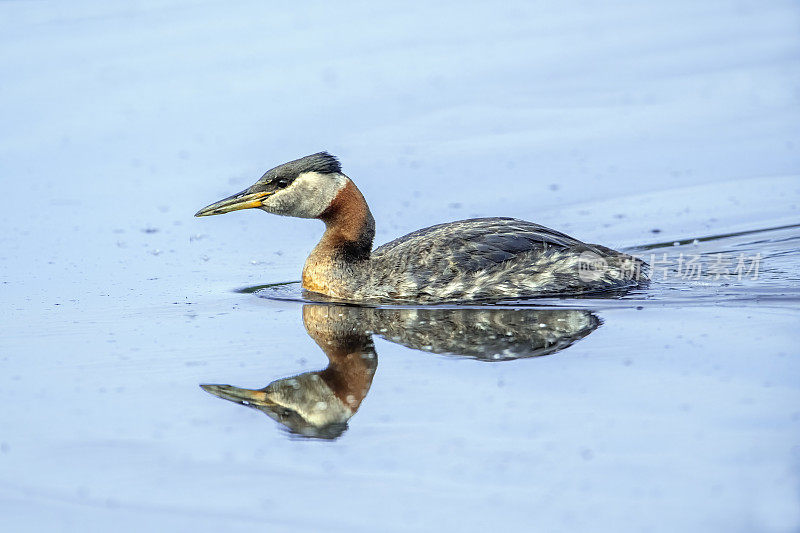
[319, 404]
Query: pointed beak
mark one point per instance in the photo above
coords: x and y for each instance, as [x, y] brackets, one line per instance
[237, 395]
[243, 200]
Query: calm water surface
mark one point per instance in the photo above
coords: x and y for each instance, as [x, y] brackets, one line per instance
[665, 129]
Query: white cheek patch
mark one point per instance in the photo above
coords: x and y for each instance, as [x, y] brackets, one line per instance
[308, 195]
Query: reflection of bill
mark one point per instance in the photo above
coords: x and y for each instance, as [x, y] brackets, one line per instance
[319, 404]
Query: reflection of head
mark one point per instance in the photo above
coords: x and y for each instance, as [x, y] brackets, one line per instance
[304, 403]
[319, 404]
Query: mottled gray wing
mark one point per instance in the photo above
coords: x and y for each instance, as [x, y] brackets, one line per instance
[473, 244]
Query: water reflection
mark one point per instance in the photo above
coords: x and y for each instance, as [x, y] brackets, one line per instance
[319, 404]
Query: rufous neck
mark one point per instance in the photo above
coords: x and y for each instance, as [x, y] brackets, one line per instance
[350, 227]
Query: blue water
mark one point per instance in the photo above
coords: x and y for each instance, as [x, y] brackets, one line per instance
[668, 130]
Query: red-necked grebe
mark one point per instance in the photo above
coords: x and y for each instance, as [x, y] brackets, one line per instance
[477, 259]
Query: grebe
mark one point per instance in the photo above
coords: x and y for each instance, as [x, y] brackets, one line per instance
[319, 404]
[476, 259]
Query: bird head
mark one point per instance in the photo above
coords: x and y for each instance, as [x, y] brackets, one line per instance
[301, 188]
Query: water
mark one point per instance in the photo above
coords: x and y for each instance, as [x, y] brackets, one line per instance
[669, 131]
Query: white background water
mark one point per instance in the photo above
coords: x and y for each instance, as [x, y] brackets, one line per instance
[607, 120]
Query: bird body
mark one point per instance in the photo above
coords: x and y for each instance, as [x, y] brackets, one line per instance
[469, 260]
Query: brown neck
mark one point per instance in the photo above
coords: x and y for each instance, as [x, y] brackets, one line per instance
[350, 227]
[350, 350]
[349, 374]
